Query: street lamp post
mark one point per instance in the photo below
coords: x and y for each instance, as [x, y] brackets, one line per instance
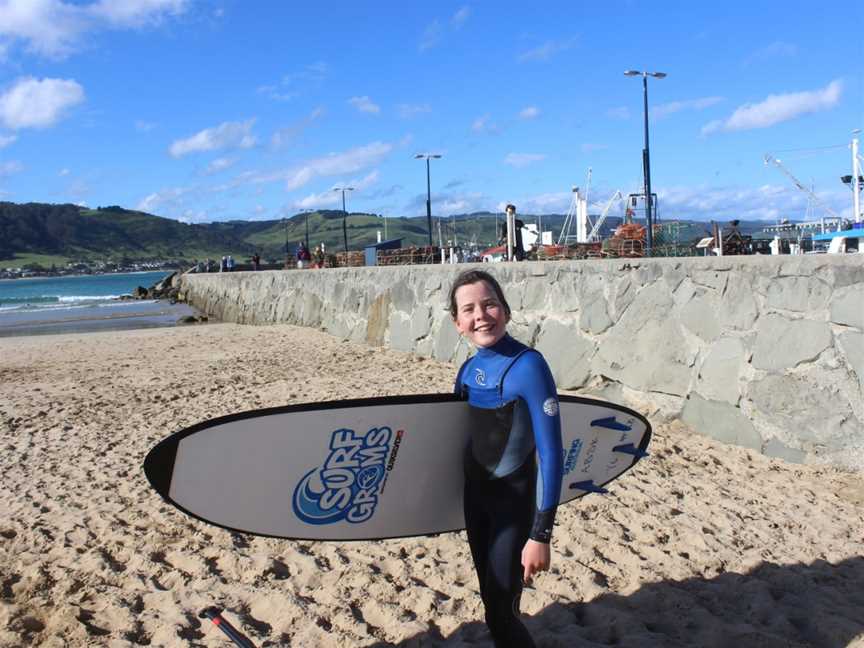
[344, 214]
[285, 220]
[306, 212]
[646, 158]
[427, 157]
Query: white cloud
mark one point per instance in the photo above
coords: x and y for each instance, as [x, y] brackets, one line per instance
[767, 202]
[460, 17]
[55, 28]
[547, 203]
[407, 111]
[64, 172]
[431, 36]
[365, 104]
[144, 126]
[484, 125]
[529, 112]
[546, 51]
[620, 112]
[331, 197]
[664, 110]
[520, 160]
[294, 84]
[32, 103]
[227, 135]
[6, 140]
[350, 161]
[283, 137]
[776, 109]
[9, 168]
[591, 148]
[218, 165]
[777, 49]
[164, 199]
[276, 93]
[136, 13]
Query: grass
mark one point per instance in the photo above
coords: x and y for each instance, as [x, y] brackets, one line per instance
[44, 260]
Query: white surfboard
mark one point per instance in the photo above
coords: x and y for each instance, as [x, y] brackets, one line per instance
[364, 469]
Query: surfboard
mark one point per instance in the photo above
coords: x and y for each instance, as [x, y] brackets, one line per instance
[364, 469]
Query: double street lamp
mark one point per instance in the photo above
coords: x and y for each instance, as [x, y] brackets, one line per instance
[427, 157]
[344, 214]
[646, 158]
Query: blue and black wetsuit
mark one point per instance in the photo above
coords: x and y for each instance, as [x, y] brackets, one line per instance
[508, 498]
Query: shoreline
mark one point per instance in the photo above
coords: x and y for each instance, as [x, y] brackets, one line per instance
[89, 318]
[87, 274]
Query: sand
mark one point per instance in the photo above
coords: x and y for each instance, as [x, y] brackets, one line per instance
[703, 544]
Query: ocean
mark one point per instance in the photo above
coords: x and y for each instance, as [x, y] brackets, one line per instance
[82, 303]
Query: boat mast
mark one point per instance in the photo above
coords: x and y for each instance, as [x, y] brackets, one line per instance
[856, 176]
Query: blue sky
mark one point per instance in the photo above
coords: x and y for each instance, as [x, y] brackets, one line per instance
[206, 111]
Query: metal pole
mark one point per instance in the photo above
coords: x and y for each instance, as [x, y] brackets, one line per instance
[428, 201]
[286, 242]
[649, 234]
[856, 174]
[344, 222]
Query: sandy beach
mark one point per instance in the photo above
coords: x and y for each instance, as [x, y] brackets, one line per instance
[702, 544]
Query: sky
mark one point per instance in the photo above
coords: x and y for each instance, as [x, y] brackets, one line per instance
[219, 110]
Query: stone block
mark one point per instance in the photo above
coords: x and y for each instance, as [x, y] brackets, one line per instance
[567, 353]
[536, 293]
[847, 306]
[402, 297]
[699, 315]
[738, 309]
[779, 450]
[806, 407]
[421, 321]
[523, 330]
[674, 274]
[400, 332]
[377, 320]
[562, 294]
[645, 351]
[446, 339]
[624, 294]
[800, 294]
[712, 278]
[782, 343]
[718, 375]
[720, 421]
[851, 345]
[594, 316]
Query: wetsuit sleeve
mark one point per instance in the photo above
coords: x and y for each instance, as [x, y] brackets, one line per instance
[531, 379]
[457, 386]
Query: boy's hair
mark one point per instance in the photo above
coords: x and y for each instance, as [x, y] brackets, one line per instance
[468, 277]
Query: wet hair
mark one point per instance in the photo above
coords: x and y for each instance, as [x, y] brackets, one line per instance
[468, 277]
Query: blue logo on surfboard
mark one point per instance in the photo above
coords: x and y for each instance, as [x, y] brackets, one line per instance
[347, 486]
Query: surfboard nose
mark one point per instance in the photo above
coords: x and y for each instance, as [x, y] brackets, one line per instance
[159, 465]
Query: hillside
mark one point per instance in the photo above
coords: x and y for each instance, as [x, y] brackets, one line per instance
[61, 233]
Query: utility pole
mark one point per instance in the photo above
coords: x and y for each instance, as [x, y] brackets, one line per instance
[646, 158]
[344, 215]
[856, 178]
[427, 157]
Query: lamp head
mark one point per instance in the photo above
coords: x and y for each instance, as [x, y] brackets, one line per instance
[658, 75]
[632, 73]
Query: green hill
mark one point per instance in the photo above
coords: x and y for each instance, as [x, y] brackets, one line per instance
[60, 233]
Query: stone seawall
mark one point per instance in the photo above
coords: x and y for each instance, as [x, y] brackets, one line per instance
[762, 352]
